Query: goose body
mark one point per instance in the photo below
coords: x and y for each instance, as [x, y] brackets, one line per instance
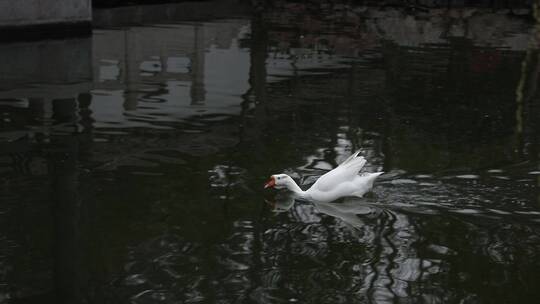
[342, 181]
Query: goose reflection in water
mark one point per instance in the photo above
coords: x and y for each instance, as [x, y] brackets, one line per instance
[349, 209]
[390, 262]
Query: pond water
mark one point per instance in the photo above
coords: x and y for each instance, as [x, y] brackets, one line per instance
[133, 161]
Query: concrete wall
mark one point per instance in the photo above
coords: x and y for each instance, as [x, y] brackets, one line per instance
[36, 12]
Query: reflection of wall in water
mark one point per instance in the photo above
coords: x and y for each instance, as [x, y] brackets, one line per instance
[431, 60]
[57, 62]
[432, 88]
[32, 74]
[361, 24]
[149, 64]
[40, 83]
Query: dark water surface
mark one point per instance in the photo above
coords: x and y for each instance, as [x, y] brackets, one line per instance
[132, 161]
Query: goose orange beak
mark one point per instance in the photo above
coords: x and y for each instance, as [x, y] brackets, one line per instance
[270, 183]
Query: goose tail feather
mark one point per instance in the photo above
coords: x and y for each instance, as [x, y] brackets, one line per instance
[350, 158]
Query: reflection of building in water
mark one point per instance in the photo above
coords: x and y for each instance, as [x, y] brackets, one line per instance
[361, 26]
[35, 76]
[55, 97]
[139, 76]
[40, 86]
[197, 69]
[168, 70]
[440, 54]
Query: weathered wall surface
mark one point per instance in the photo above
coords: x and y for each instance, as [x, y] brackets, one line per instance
[36, 12]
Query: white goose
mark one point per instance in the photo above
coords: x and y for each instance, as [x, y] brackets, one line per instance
[340, 182]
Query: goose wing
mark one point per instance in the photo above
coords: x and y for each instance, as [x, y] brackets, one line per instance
[345, 172]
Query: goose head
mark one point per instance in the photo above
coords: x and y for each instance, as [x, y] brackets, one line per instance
[281, 181]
